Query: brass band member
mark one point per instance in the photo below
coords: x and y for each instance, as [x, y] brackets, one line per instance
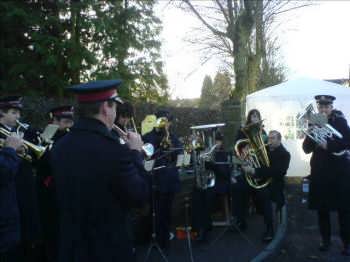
[125, 112]
[167, 179]
[204, 200]
[62, 116]
[10, 112]
[241, 190]
[279, 162]
[96, 180]
[329, 179]
[9, 212]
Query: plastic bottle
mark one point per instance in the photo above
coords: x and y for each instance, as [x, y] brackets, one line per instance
[305, 189]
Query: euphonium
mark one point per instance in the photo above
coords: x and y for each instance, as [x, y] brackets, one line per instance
[205, 178]
[256, 155]
[320, 130]
[37, 150]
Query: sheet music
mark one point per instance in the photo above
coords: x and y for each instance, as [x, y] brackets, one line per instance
[49, 132]
[148, 165]
[183, 160]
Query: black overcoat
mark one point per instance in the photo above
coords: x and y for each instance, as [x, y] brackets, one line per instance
[279, 164]
[96, 182]
[330, 178]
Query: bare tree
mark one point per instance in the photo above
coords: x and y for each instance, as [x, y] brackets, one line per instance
[239, 31]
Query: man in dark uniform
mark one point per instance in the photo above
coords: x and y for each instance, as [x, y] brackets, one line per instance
[167, 147]
[62, 116]
[96, 180]
[9, 213]
[279, 163]
[204, 199]
[330, 179]
[29, 250]
[125, 112]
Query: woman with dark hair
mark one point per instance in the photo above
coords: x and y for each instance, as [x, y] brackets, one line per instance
[241, 190]
[253, 116]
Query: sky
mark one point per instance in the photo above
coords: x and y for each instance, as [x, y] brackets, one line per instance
[315, 42]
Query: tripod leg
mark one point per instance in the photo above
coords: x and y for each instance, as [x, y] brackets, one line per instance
[154, 243]
[188, 235]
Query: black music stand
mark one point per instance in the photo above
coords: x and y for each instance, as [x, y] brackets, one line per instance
[232, 226]
[182, 161]
[154, 242]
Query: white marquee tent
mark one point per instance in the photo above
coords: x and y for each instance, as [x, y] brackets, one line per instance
[280, 104]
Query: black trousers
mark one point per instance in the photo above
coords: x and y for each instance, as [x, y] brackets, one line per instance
[202, 206]
[241, 193]
[163, 208]
[324, 224]
[9, 255]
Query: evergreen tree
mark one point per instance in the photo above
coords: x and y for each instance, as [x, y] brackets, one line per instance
[48, 45]
[222, 88]
[207, 93]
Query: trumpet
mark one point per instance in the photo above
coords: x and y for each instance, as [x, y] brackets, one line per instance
[37, 150]
[147, 149]
[162, 123]
[25, 126]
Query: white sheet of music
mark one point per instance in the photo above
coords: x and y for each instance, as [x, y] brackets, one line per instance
[183, 160]
[148, 165]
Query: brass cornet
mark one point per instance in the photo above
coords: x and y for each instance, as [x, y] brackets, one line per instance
[147, 149]
[37, 150]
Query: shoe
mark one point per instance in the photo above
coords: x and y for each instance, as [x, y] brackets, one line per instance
[346, 251]
[324, 246]
[268, 235]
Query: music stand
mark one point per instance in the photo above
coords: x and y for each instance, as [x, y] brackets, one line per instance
[149, 166]
[184, 160]
[231, 224]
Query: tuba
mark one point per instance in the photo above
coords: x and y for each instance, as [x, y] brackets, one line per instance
[321, 130]
[255, 154]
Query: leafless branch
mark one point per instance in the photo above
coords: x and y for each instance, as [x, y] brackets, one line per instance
[211, 28]
[223, 11]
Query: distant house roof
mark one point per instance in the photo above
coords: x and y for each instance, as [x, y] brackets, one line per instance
[341, 81]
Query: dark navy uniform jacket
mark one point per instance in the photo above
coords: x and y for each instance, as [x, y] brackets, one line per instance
[26, 195]
[279, 164]
[330, 174]
[167, 178]
[9, 213]
[47, 200]
[96, 182]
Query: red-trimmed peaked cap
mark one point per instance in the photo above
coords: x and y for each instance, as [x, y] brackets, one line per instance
[97, 91]
[62, 112]
[11, 102]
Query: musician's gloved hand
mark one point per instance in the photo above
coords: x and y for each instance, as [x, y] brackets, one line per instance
[134, 141]
[14, 141]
